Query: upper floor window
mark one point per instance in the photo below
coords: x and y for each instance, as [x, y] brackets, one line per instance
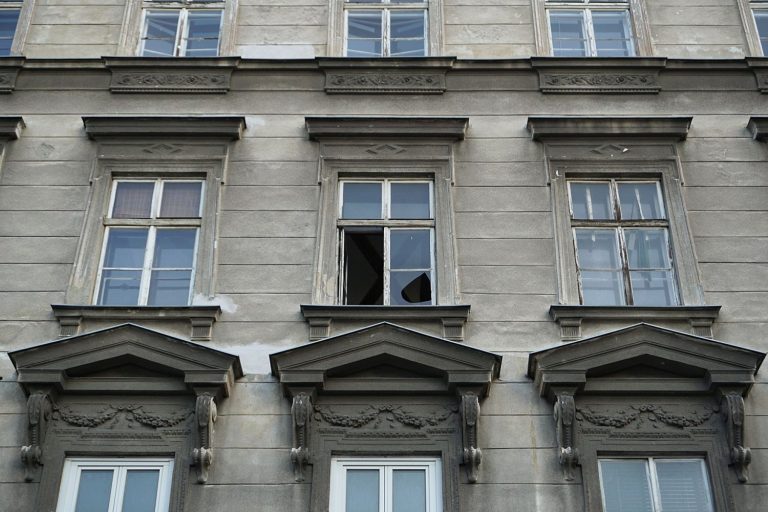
[590, 28]
[621, 237]
[9, 18]
[386, 28]
[181, 29]
[151, 243]
[760, 13]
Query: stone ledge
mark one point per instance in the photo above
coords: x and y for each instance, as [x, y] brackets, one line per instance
[450, 128]
[758, 127]
[170, 74]
[201, 318]
[672, 127]
[591, 75]
[10, 127]
[230, 127]
[320, 317]
[570, 317]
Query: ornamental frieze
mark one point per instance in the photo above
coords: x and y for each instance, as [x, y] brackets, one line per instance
[642, 416]
[153, 81]
[380, 416]
[599, 82]
[383, 83]
[117, 416]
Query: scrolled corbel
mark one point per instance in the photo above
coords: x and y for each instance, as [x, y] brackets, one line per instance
[470, 416]
[301, 412]
[733, 414]
[39, 409]
[205, 417]
[565, 416]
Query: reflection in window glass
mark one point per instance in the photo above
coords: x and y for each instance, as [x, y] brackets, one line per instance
[361, 201]
[640, 201]
[410, 201]
[612, 33]
[594, 30]
[761, 22]
[591, 200]
[568, 37]
[380, 30]
[94, 491]
[363, 490]
[9, 18]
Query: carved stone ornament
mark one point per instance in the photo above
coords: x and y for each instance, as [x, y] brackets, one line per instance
[599, 82]
[375, 416]
[470, 416]
[565, 417]
[114, 413]
[39, 409]
[414, 82]
[202, 454]
[170, 82]
[644, 415]
[301, 412]
[733, 414]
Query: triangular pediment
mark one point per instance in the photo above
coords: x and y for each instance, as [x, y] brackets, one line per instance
[644, 359]
[127, 359]
[385, 358]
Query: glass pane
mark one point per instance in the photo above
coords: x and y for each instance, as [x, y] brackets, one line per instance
[169, 288]
[410, 249]
[203, 34]
[125, 248]
[683, 486]
[120, 287]
[647, 248]
[597, 249]
[410, 201]
[653, 288]
[362, 490]
[174, 248]
[612, 34]
[409, 489]
[133, 200]
[591, 201]
[761, 21]
[140, 490]
[181, 199]
[364, 25]
[406, 24]
[8, 20]
[626, 486]
[364, 48]
[94, 490]
[601, 288]
[567, 30]
[361, 201]
[160, 34]
[407, 48]
[364, 266]
[409, 287]
[640, 201]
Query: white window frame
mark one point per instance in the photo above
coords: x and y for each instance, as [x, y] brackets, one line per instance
[654, 478]
[431, 465]
[152, 223]
[388, 225]
[386, 7]
[586, 9]
[73, 467]
[182, 27]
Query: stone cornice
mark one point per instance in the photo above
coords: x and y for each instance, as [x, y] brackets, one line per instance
[672, 127]
[230, 127]
[449, 128]
[758, 127]
[10, 127]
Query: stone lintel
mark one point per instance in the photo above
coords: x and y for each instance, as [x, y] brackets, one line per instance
[229, 127]
[450, 128]
[671, 127]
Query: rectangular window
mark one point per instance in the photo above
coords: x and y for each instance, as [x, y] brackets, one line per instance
[386, 485]
[621, 237]
[181, 29]
[386, 235]
[150, 244]
[655, 485]
[386, 28]
[115, 485]
[590, 28]
[9, 18]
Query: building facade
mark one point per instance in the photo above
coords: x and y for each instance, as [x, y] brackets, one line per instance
[353, 256]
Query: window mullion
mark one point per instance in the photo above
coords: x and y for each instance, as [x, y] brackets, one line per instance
[386, 496]
[118, 490]
[385, 35]
[655, 492]
[181, 33]
[590, 31]
[146, 271]
[625, 267]
[387, 266]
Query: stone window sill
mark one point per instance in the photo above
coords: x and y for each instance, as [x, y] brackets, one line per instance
[201, 318]
[570, 317]
[320, 317]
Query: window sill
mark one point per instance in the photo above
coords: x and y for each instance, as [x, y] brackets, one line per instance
[570, 317]
[201, 318]
[320, 317]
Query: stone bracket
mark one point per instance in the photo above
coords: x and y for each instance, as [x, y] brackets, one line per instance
[39, 409]
[205, 417]
[9, 71]
[472, 456]
[733, 413]
[759, 67]
[565, 417]
[301, 414]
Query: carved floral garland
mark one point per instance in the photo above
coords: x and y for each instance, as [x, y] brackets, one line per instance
[135, 413]
[374, 412]
[654, 413]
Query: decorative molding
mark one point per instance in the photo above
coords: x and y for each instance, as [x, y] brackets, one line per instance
[385, 76]
[10, 127]
[758, 127]
[472, 456]
[570, 317]
[39, 409]
[172, 75]
[9, 72]
[446, 128]
[301, 414]
[759, 66]
[228, 127]
[379, 414]
[202, 454]
[565, 416]
[133, 413]
[321, 317]
[599, 75]
[672, 127]
[733, 414]
[644, 414]
[201, 318]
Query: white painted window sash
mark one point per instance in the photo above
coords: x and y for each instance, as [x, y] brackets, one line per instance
[182, 26]
[588, 25]
[385, 7]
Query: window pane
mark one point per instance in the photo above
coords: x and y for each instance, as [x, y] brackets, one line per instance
[181, 199]
[140, 490]
[125, 248]
[410, 249]
[647, 248]
[364, 266]
[410, 201]
[601, 288]
[133, 200]
[361, 201]
[119, 287]
[94, 490]
[8, 20]
[364, 48]
[160, 34]
[174, 248]
[683, 486]
[410, 288]
[591, 201]
[640, 201]
[364, 25]
[761, 21]
[407, 48]
[169, 288]
[653, 288]
[597, 249]
[362, 490]
[203, 34]
[406, 24]
[567, 30]
[409, 489]
[626, 486]
[612, 34]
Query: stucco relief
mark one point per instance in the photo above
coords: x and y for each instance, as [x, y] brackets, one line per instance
[356, 82]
